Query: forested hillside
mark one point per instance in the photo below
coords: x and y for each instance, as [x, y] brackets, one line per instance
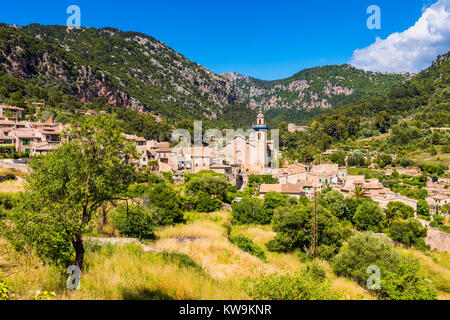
[110, 69]
[402, 119]
[313, 91]
[126, 69]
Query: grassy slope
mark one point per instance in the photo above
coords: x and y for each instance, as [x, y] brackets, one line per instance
[126, 272]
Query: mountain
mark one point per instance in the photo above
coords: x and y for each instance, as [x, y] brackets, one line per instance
[424, 100]
[313, 90]
[70, 67]
[127, 69]
[397, 122]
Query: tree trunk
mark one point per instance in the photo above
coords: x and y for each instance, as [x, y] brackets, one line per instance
[79, 251]
[103, 219]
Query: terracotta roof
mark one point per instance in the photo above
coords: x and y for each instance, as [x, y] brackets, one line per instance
[219, 166]
[281, 188]
[7, 122]
[440, 197]
[162, 145]
[4, 106]
[373, 186]
[44, 147]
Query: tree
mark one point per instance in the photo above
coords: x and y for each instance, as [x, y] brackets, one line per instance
[67, 186]
[134, 221]
[408, 232]
[335, 202]
[423, 209]
[359, 192]
[369, 216]
[293, 226]
[249, 211]
[363, 250]
[167, 203]
[216, 186]
[403, 282]
[205, 203]
[273, 200]
[338, 157]
[398, 275]
[398, 210]
[384, 159]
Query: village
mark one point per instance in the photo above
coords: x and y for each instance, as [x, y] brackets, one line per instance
[236, 158]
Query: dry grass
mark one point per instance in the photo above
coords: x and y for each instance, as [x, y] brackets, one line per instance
[259, 234]
[212, 251]
[435, 267]
[18, 173]
[441, 158]
[350, 290]
[12, 186]
[381, 136]
[224, 261]
[125, 272]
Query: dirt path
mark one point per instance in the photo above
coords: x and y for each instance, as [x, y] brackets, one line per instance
[122, 241]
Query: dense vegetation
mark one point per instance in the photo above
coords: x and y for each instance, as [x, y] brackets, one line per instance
[300, 96]
[398, 122]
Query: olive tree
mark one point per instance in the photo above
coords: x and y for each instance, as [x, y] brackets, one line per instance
[92, 167]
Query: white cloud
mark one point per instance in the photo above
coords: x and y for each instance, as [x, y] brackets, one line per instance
[411, 50]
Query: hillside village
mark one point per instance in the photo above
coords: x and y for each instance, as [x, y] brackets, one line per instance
[121, 158]
[237, 159]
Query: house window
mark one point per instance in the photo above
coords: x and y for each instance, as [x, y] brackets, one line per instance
[26, 142]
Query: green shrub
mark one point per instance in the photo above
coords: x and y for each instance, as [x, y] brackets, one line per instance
[247, 245]
[214, 185]
[444, 228]
[137, 222]
[438, 218]
[293, 227]
[363, 250]
[369, 216]
[423, 209]
[398, 210]
[273, 200]
[7, 200]
[403, 282]
[205, 203]
[399, 277]
[434, 224]
[309, 284]
[409, 232]
[249, 211]
[168, 204]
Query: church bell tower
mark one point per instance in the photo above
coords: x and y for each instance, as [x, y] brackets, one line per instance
[260, 140]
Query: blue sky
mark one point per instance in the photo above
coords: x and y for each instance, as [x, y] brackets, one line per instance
[263, 39]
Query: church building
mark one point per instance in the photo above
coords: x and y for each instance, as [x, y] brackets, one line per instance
[254, 153]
